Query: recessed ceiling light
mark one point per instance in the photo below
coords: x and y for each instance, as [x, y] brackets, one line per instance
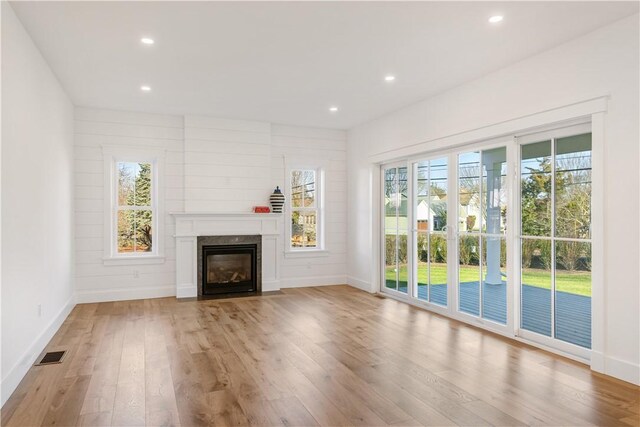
[496, 18]
[145, 88]
[146, 40]
[389, 78]
[333, 109]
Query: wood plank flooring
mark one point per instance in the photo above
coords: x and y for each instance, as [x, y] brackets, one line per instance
[310, 356]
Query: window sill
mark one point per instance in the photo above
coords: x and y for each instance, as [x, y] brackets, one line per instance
[306, 253]
[138, 260]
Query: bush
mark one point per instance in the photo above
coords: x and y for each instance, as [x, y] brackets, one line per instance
[438, 248]
[536, 254]
[390, 248]
[469, 251]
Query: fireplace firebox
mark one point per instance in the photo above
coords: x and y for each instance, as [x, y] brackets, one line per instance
[229, 269]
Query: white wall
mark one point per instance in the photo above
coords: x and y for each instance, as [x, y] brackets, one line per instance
[227, 164]
[331, 146]
[212, 165]
[95, 128]
[604, 62]
[37, 202]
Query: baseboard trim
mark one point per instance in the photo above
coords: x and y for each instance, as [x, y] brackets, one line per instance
[597, 362]
[11, 381]
[360, 284]
[622, 369]
[270, 285]
[186, 291]
[303, 282]
[123, 294]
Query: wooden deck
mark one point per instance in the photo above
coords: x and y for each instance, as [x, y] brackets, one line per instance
[573, 312]
[310, 356]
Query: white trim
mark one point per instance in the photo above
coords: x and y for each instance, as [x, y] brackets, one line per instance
[580, 126]
[552, 344]
[111, 155]
[223, 214]
[377, 235]
[598, 294]
[133, 260]
[124, 294]
[554, 350]
[19, 370]
[519, 125]
[306, 253]
[363, 285]
[186, 290]
[303, 282]
[319, 167]
[623, 369]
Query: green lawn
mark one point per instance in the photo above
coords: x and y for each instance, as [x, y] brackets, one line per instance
[577, 282]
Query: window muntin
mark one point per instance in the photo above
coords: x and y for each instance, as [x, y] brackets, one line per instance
[134, 208]
[555, 195]
[305, 208]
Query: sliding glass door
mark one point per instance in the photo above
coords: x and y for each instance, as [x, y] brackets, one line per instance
[396, 270]
[430, 216]
[459, 241]
[555, 206]
[482, 220]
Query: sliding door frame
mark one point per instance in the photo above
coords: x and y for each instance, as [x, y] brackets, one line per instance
[410, 278]
[451, 310]
[591, 112]
[521, 140]
[508, 329]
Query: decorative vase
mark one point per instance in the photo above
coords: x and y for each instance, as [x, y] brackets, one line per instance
[277, 200]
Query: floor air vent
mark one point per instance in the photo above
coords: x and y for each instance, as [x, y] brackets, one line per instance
[51, 358]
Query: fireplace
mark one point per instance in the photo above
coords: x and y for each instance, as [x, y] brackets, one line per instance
[229, 264]
[228, 268]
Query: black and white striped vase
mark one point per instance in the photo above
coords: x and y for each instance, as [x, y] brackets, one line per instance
[277, 200]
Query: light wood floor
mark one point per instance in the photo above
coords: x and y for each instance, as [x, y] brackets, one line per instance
[327, 355]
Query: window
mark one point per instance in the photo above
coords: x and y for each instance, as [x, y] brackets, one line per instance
[133, 205]
[555, 195]
[305, 208]
[134, 208]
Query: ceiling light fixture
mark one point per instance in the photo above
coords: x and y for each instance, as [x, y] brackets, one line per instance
[145, 88]
[389, 78]
[496, 18]
[333, 109]
[146, 40]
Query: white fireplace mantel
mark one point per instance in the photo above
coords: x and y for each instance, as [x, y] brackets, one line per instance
[190, 225]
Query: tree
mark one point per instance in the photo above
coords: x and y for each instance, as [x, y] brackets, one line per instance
[536, 201]
[135, 226]
[142, 197]
[572, 216]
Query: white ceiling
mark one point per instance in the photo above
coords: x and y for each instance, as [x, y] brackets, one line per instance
[287, 62]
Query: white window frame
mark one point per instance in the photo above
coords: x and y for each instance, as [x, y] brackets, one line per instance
[319, 168]
[531, 137]
[591, 111]
[112, 156]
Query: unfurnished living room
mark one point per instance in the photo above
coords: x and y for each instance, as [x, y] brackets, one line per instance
[325, 213]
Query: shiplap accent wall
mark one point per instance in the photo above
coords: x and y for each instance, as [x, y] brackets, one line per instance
[95, 128]
[212, 165]
[330, 145]
[227, 164]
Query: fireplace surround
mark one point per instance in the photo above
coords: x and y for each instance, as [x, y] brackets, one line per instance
[229, 264]
[191, 226]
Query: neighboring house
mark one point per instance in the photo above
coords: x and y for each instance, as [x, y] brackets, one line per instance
[425, 215]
